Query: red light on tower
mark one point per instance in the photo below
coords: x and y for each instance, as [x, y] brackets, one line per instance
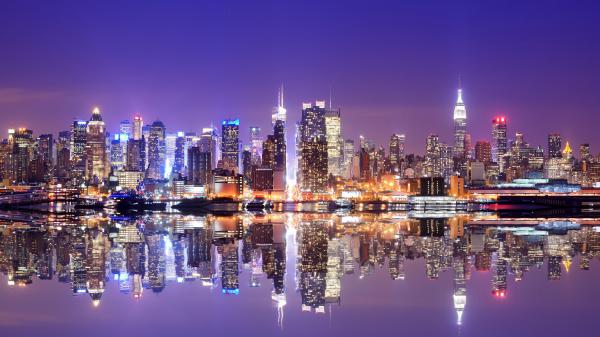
[499, 293]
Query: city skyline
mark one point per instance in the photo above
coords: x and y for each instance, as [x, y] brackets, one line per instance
[532, 83]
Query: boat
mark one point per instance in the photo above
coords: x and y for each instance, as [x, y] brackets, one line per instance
[131, 202]
[259, 204]
[204, 205]
[340, 204]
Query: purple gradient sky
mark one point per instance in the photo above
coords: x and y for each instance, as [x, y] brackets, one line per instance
[393, 66]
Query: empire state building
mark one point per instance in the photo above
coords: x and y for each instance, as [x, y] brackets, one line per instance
[460, 127]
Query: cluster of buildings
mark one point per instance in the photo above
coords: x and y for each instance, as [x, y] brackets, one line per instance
[216, 162]
[150, 252]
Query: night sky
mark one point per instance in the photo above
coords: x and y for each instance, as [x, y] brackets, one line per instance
[392, 66]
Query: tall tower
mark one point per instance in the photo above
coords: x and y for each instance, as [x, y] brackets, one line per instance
[157, 151]
[96, 147]
[554, 145]
[460, 127]
[230, 145]
[397, 151]
[279, 119]
[333, 132]
[500, 144]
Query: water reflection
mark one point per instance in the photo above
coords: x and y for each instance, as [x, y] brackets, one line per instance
[320, 250]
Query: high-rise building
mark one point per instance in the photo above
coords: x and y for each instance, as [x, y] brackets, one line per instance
[347, 159]
[311, 132]
[279, 120]
[230, 144]
[333, 134]
[210, 142]
[314, 165]
[97, 165]
[199, 166]
[268, 152]
[170, 146]
[584, 152]
[136, 156]
[138, 124]
[156, 151]
[256, 142]
[460, 127]
[45, 149]
[554, 145]
[433, 162]
[483, 151]
[179, 159]
[21, 156]
[397, 151]
[500, 143]
[78, 139]
[247, 163]
[126, 127]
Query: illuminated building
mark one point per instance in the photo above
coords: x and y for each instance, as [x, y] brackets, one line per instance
[228, 184]
[310, 128]
[136, 156]
[333, 134]
[199, 166]
[262, 179]
[117, 158]
[129, 180]
[210, 142]
[170, 140]
[397, 151]
[256, 144]
[21, 155]
[483, 151]
[247, 164]
[584, 152]
[180, 154]
[314, 165]
[78, 139]
[432, 186]
[230, 144]
[460, 127]
[348, 159]
[97, 166]
[138, 124]
[500, 143]
[554, 145]
[45, 149]
[156, 151]
[433, 162]
[268, 152]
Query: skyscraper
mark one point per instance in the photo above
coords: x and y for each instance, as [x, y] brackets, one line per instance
[333, 134]
[279, 120]
[397, 151]
[199, 166]
[483, 151]
[138, 124]
[433, 162]
[256, 142]
[312, 131]
[230, 144]
[156, 151]
[500, 143]
[179, 159]
[210, 142]
[314, 165]
[96, 147]
[78, 139]
[460, 127]
[554, 145]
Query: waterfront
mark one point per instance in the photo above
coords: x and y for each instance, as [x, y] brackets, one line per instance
[299, 274]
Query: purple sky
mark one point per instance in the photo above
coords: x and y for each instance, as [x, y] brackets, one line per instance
[393, 67]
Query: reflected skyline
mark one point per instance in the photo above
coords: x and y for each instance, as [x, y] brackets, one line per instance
[305, 256]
